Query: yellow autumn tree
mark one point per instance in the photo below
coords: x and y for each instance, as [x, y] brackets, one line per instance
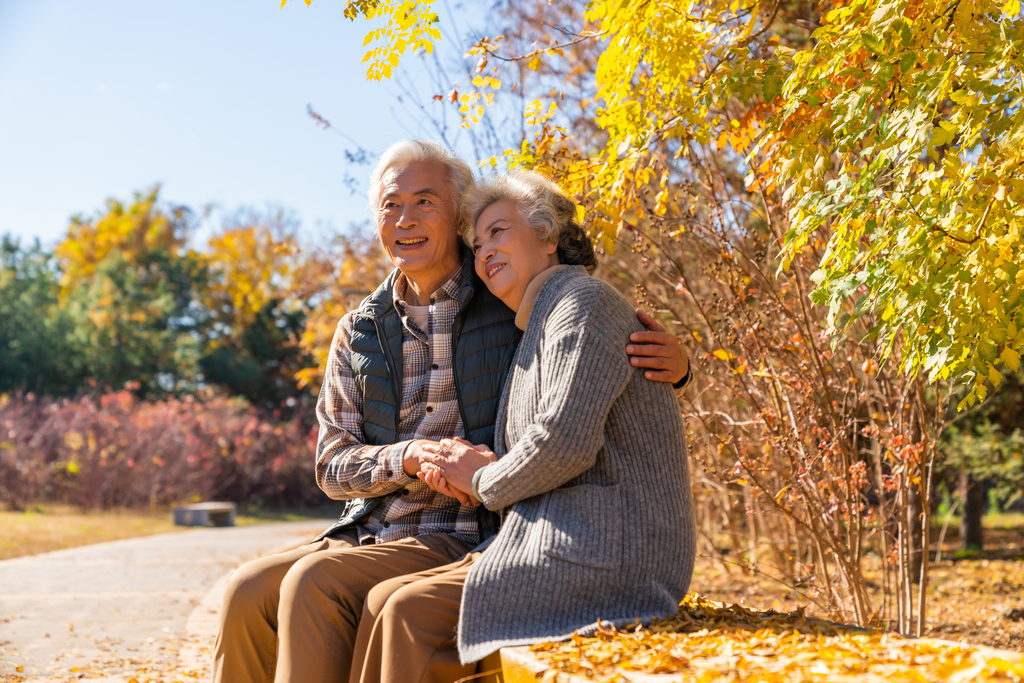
[131, 284]
[252, 267]
[346, 272]
[880, 147]
[897, 129]
[136, 232]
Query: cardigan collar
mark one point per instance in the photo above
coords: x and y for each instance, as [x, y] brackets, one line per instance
[530, 296]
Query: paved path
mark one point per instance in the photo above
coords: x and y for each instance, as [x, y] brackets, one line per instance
[143, 608]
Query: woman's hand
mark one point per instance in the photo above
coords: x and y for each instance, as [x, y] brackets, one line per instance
[458, 461]
[658, 351]
[433, 477]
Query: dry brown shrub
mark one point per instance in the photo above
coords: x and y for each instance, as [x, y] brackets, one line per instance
[113, 450]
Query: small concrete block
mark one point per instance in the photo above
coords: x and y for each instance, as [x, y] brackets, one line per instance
[205, 514]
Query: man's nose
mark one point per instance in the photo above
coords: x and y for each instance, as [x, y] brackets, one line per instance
[405, 218]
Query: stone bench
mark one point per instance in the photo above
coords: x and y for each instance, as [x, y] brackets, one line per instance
[205, 514]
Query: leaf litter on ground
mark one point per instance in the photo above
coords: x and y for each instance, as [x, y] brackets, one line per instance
[713, 642]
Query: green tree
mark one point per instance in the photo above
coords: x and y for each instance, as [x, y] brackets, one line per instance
[258, 299]
[262, 361]
[132, 287]
[901, 131]
[35, 349]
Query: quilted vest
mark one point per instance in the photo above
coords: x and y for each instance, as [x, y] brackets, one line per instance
[484, 340]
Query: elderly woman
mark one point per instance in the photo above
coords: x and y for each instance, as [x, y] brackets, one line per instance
[589, 469]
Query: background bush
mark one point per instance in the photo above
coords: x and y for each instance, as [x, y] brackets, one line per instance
[114, 450]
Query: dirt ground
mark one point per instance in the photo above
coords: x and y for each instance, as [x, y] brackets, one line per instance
[968, 599]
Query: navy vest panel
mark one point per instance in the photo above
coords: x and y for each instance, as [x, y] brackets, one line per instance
[484, 340]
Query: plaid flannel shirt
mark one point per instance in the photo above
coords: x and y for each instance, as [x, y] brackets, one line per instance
[346, 467]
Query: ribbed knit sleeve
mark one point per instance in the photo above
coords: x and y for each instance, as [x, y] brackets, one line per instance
[584, 369]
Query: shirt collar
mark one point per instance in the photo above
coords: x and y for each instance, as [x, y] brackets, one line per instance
[530, 296]
[450, 288]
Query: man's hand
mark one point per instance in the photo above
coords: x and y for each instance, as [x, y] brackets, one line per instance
[657, 350]
[458, 461]
[413, 460]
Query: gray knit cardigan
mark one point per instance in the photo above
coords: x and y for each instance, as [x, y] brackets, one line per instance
[592, 481]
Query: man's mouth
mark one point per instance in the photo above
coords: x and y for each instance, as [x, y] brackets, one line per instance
[411, 241]
[493, 268]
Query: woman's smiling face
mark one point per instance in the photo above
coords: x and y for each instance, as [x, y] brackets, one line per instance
[508, 252]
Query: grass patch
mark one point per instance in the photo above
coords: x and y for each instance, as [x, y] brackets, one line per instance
[53, 526]
[1003, 520]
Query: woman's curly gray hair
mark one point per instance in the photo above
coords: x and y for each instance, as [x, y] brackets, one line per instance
[543, 206]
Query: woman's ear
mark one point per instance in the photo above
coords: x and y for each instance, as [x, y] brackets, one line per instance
[550, 247]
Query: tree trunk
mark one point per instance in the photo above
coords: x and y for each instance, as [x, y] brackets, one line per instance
[916, 533]
[972, 498]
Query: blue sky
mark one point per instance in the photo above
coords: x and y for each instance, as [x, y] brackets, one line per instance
[99, 98]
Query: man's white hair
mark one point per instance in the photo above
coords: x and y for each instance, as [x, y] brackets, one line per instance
[460, 175]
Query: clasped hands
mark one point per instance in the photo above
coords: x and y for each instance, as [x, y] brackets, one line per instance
[448, 467]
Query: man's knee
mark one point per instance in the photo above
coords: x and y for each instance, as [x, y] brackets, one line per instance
[379, 595]
[320, 579]
[252, 584]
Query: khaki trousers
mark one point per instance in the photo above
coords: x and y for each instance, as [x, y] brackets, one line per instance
[293, 617]
[408, 628]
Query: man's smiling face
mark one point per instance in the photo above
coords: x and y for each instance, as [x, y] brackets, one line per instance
[417, 223]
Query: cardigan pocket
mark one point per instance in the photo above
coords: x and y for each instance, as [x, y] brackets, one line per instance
[583, 525]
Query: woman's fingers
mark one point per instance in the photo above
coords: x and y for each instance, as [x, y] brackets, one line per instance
[427, 478]
[445, 488]
[462, 446]
[435, 459]
[434, 478]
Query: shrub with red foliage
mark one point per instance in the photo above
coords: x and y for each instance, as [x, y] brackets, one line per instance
[116, 451]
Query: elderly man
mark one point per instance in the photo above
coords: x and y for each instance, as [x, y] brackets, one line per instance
[422, 359]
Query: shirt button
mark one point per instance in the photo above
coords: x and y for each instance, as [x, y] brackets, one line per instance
[387, 524]
[389, 473]
[434, 366]
[429, 409]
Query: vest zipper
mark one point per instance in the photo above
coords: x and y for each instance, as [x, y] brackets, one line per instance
[456, 333]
